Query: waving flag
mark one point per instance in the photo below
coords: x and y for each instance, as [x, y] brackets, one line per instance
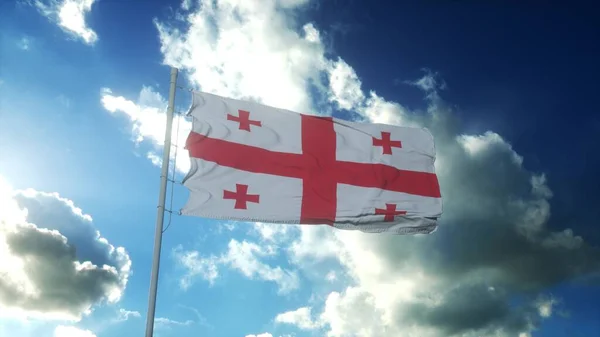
[251, 162]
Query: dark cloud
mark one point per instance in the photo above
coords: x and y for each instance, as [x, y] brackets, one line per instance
[58, 265]
[493, 235]
[467, 308]
[48, 210]
[492, 260]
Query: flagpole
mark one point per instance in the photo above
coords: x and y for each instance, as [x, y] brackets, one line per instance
[160, 216]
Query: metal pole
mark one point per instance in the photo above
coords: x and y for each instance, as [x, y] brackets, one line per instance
[160, 216]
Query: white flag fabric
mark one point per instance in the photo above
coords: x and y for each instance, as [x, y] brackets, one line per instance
[251, 162]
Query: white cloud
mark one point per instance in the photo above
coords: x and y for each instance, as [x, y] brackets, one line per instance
[186, 4]
[167, 323]
[474, 145]
[429, 83]
[377, 110]
[195, 265]
[344, 85]
[69, 15]
[56, 265]
[343, 310]
[546, 305]
[148, 120]
[265, 334]
[71, 331]
[124, 315]
[229, 226]
[247, 49]
[200, 319]
[154, 158]
[303, 249]
[245, 257]
[300, 317]
[164, 323]
[271, 232]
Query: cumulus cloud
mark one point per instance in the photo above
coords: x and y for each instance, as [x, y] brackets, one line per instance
[147, 117]
[493, 245]
[69, 15]
[244, 257]
[247, 49]
[300, 317]
[264, 334]
[55, 263]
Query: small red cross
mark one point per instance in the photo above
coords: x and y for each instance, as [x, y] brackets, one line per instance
[386, 143]
[244, 120]
[390, 212]
[241, 196]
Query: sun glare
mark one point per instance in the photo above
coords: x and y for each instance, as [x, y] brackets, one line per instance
[11, 215]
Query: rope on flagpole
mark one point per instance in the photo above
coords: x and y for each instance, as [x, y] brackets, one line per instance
[174, 170]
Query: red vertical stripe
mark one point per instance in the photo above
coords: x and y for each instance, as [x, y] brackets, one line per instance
[319, 186]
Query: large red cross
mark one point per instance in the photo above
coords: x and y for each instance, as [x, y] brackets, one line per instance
[243, 119]
[390, 212]
[316, 166]
[386, 142]
[241, 196]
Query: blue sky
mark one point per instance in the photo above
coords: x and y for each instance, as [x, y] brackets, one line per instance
[508, 93]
